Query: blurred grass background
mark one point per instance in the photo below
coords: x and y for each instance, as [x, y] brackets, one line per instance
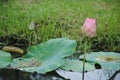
[60, 18]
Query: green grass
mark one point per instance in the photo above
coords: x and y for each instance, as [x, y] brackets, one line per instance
[62, 18]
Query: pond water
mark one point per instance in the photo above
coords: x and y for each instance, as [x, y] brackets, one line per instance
[59, 74]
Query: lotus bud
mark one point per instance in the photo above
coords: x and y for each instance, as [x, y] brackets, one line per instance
[89, 27]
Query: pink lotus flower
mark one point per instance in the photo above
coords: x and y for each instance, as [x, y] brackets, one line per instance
[89, 27]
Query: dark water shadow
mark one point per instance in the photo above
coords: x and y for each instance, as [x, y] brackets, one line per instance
[98, 74]
[12, 74]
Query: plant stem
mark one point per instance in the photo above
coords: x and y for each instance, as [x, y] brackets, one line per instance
[85, 44]
[114, 75]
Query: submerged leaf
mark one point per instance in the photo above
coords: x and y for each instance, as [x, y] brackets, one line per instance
[77, 65]
[5, 59]
[107, 60]
[47, 56]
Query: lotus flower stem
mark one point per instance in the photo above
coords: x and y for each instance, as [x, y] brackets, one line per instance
[85, 44]
[114, 75]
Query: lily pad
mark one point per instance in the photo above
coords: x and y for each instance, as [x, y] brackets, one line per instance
[46, 56]
[5, 59]
[77, 66]
[107, 60]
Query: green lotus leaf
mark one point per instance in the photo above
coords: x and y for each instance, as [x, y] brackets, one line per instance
[46, 56]
[77, 66]
[5, 59]
[107, 60]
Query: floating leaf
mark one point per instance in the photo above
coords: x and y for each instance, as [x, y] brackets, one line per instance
[108, 60]
[77, 65]
[5, 59]
[47, 56]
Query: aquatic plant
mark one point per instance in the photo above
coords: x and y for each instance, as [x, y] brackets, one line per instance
[5, 59]
[107, 60]
[46, 56]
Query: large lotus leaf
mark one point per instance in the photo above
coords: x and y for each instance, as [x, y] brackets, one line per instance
[77, 65]
[5, 59]
[46, 56]
[108, 60]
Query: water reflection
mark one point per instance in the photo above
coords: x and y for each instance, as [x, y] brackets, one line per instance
[99, 74]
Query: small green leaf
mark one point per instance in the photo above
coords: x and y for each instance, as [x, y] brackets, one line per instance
[77, 65]
[5, 59]
[107, 60]
[46, 56]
